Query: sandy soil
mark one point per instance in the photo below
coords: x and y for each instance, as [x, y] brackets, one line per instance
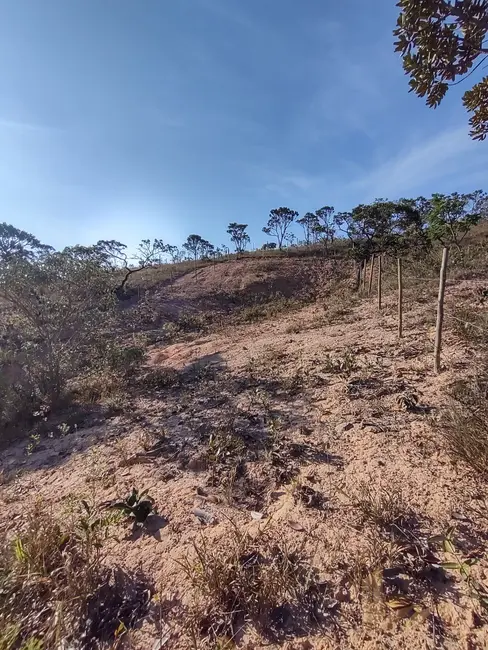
[345, 431]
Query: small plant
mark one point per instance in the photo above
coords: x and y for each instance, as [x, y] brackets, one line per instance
[471, 325]
[462, 566]
[224, 445]
[161, 378]
[344, 364]
[137, 506]
[33, 444]
[294, 328]
[188, 322]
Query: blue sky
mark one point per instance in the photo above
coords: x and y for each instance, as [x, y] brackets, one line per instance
[127, 119]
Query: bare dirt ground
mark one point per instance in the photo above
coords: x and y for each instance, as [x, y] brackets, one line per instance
[309, 434]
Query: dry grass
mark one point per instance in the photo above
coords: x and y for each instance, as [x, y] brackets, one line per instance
[54, 587]
[255, 581]
[381, 506]
[464, 422]
[469, 324]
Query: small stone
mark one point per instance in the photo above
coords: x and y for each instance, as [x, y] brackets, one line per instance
[345, 426]
[203, 516]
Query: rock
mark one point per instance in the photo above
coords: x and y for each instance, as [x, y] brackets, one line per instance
[345, 426]
[203, 516]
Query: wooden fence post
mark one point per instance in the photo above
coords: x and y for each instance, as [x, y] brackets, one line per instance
[379, 280]
[371, 268]
[365, 268]
[400, 299]
[440, 311]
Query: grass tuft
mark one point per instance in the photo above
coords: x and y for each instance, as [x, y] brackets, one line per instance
[54, 589]
[464, 422]
[258, 582]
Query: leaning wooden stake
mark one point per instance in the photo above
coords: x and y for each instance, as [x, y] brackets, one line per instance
[400, 300]
[365, 267]
[379, 281]
[440, 311]
[357, 271]
[371, 268]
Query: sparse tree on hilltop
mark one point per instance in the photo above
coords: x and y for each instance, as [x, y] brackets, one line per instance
[325, 228]
[279, 222]
[194, 245]
[451, 216]
[198, 247]
[310, 224]
[378, 227]
[175, 253]
[238, 236]
[442, 42]
[112, 255]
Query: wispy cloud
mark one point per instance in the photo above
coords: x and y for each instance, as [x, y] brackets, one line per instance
[15, 125]
[449, 157]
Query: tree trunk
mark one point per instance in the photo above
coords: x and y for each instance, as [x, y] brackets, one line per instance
[440, 311]
[120, 290]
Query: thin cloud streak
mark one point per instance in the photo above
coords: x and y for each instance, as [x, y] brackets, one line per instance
[15, 125]
[451, 153]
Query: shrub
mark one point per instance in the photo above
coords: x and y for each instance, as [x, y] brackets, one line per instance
[56, 309]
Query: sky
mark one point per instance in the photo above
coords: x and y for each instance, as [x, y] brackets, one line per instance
[133, 119]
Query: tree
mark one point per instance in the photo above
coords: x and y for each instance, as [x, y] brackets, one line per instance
[451, 216]
[378, 227]
[208, 250]
[310, 224]
[112, 256]
[269, 246]
[18, 244]
[238, 236]
[441, 41]
[279, 222]
[325, 228]
[175, 253]
[198, 247]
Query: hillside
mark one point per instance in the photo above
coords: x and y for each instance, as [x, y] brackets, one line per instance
[307, 494]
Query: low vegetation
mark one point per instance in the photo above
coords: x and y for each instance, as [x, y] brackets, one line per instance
[463, 422]
[55, 590]
[256, 581]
